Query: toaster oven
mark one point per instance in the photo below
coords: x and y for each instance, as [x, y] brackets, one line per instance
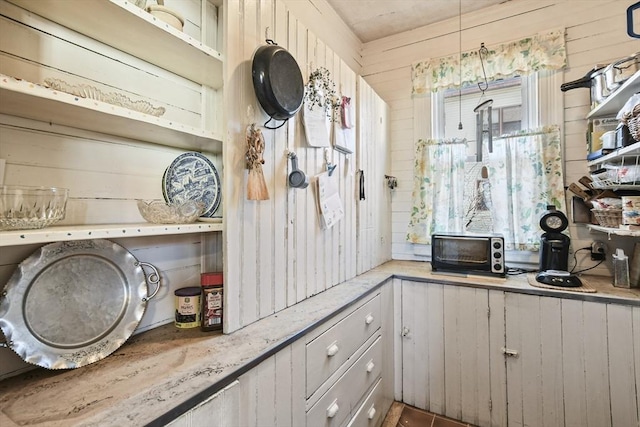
[468, 253]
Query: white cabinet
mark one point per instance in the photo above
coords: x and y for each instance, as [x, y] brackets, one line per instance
[445, 351]
[356, 391]
[343, 362]
[576, 362]
[342, 399]
[326, 353]
[533, 360]
[116, 48]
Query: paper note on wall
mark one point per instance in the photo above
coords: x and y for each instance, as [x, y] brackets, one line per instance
[331, 210]
[316, 125]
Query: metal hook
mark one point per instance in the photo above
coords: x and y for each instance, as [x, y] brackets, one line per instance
[392, 181]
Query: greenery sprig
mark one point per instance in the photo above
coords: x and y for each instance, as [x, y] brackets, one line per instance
[321, 91]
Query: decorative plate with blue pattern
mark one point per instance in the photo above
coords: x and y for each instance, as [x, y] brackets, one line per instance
[192, 176]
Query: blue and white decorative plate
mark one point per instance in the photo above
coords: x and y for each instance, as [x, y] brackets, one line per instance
[192, 176]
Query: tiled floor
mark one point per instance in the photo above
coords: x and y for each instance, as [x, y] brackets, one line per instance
[401, 415]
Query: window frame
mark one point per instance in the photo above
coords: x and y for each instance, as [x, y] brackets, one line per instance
[543, 104]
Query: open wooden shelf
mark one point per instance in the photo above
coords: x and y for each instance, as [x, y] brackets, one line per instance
[126, 27]
[611, 230]
[24, 99]
[101, 231]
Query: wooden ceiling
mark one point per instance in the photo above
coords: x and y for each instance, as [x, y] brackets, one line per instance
[375, 19]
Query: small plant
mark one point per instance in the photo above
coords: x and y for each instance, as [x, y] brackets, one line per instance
[320, 91]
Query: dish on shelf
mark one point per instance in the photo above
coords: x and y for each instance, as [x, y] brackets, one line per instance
[160, 212]
[113, 98]
[192, 176]
[73, 303]
[23, 208]
[167, 15]
[214, 220]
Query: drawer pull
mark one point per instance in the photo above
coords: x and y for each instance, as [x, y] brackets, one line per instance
[369, 319]
[371, 413]
[370, 366]
[333, 409]
[332, 349]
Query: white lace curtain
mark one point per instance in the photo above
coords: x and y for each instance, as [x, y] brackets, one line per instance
[543, 51]
[525, 170]
[438, 189]
[524, 174]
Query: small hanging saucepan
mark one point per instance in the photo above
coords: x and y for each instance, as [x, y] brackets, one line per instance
[277, 81]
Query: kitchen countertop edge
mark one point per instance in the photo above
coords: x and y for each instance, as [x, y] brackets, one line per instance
[214, 365]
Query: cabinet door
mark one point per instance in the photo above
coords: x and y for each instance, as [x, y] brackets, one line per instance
[445, 350]
[577, 362]
[533, 354]
[600, 364]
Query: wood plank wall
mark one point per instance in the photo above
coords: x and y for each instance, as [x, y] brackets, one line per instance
[374, 211]
[277, 253]
[595, 33]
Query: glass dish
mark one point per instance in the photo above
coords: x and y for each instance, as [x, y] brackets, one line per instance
[159, 212]
[23, 208]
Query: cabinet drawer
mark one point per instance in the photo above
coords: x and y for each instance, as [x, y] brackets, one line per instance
[341, 399]
[329, 351]
[370, 412]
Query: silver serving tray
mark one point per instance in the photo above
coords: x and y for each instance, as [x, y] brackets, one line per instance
[73, 303]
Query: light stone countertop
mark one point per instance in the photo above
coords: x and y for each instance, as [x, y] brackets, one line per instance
[165, 367]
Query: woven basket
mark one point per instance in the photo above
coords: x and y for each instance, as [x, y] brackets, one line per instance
[611, 217]
[632, 120]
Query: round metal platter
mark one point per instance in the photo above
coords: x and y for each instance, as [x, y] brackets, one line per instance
[192, 176]
[73, 303]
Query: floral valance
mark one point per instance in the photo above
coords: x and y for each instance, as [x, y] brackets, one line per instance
[543, 51]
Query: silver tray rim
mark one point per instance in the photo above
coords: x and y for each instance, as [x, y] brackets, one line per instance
[32, 350]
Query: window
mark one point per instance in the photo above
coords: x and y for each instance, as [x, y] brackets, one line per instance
[506, 112]
[460, 185]
[456, 106]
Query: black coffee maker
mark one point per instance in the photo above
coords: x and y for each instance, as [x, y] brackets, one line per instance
[554, 250]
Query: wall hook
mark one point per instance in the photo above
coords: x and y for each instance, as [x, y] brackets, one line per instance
[392, 182]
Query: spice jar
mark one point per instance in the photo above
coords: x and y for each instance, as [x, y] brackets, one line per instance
[211, 301]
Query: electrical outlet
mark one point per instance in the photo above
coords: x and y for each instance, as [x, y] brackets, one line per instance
[598, 250]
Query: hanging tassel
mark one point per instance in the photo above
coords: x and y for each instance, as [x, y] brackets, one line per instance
[256, 185]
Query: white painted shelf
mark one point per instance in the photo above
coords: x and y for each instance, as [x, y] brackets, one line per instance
[611, 230]
[615, 101]
[25, 99]
[618, 156]
[126, 27]
[101, 231]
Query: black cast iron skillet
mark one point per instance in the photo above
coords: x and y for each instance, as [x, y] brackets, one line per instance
[277, 81]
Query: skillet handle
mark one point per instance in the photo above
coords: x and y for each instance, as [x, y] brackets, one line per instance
[153, 279]
[276, 127]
